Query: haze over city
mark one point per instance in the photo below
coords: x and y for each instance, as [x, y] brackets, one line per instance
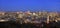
[31, 5]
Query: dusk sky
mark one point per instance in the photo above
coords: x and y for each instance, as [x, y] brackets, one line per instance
[32, 5]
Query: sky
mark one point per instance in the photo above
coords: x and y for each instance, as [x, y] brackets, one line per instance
[31, 5]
